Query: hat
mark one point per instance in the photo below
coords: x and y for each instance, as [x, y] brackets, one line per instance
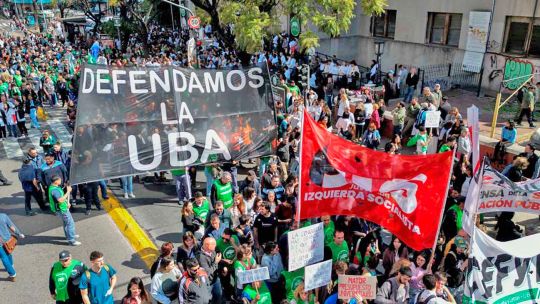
[198, 194]
[252, 173]
[460, 242]
[64, 255]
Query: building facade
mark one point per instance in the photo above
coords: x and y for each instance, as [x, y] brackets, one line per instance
[427, 33]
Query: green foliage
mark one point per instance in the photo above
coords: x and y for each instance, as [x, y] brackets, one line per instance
[374, 7]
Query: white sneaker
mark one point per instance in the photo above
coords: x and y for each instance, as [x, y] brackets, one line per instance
[126, 195]
[76, 243]
[132, 195]
[76, 236]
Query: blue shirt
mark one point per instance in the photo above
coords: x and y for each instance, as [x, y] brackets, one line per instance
[509, 135]
[5, 223]
[98, 285]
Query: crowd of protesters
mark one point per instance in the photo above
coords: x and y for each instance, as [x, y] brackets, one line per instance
[236, 225]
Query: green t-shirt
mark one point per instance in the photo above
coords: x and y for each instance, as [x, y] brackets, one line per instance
[339, 253]
[292, 280]
[202, 211]
[178, 172]
[444, 148]
[53, 203]
[264, 293]
[227, 249]
[18, 80]
[60, 276]
[224, 193]
[329, 233]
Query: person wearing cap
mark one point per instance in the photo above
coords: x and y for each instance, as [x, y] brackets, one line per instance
[47, 141]
[455, 263]
[64, 279]
[252, 181]
[396, 289]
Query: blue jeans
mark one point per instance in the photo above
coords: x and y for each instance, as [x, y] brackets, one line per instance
[217, 292]
[103, 188]
[409, 94]
[69, 225]
[209, 182]
[7, 260]
[12, 129]
[329, 100]
[183, 187]
[127, 184]
[33, 119]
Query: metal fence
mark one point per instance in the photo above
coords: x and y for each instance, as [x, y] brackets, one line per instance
[449, 76]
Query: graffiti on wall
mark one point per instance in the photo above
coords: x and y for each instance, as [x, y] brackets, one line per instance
[444, 82]
[516, 72]
[499, 67]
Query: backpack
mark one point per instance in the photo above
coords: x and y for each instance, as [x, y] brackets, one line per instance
[426, 301]
[188, 279]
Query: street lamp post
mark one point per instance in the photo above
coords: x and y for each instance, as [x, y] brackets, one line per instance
[379, 50]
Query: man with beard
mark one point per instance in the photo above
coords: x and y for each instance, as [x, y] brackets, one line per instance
[395, 289]
[195, 285]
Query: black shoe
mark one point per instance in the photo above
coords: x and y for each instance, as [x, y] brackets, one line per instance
[99, 208]
[519, 124]
[531, 126]
[30, 213]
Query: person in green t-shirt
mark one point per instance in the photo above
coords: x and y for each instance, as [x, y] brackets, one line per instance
[449, 145]
[339, 247]
[201, 206]
[421, 140]
[244, 261]
[329, 229]
[222, 190]
[227, 245]
[64, 279]
[257, 292]
[292, 280]
[59, 204]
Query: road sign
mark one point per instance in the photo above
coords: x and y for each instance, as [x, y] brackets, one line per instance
[116, 20]
[182, 12]
[194, 22]
[295, 26]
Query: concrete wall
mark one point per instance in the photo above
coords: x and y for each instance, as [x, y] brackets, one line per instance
[409, 46]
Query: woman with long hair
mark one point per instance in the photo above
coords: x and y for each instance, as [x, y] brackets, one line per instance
[188, 217]
[393, 253]
[238, 209]
[419, 268]
[136, 293]
[187, 250]
[371, 138]
[164, 288]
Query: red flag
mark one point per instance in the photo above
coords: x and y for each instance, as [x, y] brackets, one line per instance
[403, 193]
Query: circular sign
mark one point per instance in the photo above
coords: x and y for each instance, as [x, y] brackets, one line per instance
[295, 26]
[194, 22]
[275, 80]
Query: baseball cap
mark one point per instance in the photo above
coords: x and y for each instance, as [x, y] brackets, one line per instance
[198, 194]
[64, 255]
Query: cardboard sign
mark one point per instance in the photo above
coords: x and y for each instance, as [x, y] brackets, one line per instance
[350, 286]
[306, 246]
[318, 275]
[433, 119]
[253, 275]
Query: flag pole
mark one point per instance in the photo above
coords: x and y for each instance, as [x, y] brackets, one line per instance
[301, 143]
[451, 171]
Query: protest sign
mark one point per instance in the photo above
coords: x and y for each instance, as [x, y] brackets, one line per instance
[502, 272]
[498, 193]
[138, 120]
[253, 275]
[306, 246]
[317, 275]
[433, 119]
[399, 192]
[350, 286]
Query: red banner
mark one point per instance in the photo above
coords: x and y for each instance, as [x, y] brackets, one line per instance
[403, 193]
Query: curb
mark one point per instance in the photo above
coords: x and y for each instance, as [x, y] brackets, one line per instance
[134, 234]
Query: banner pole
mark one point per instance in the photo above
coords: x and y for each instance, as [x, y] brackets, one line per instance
[301, 143]
[442, 209]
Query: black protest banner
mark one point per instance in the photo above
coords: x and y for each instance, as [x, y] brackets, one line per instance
[137, 120]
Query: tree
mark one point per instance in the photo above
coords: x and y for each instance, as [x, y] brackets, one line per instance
[62, 5]
[244, 24]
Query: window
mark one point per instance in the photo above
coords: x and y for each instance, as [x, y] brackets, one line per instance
[522, 36]
[384, 25]
[444, 28]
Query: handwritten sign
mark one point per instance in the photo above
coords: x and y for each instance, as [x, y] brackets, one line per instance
[350, 286]
[253, 275]
[318, 275]
[433, 119]
[306, 246]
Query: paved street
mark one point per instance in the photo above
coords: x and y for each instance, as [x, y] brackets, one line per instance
[44, 234]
